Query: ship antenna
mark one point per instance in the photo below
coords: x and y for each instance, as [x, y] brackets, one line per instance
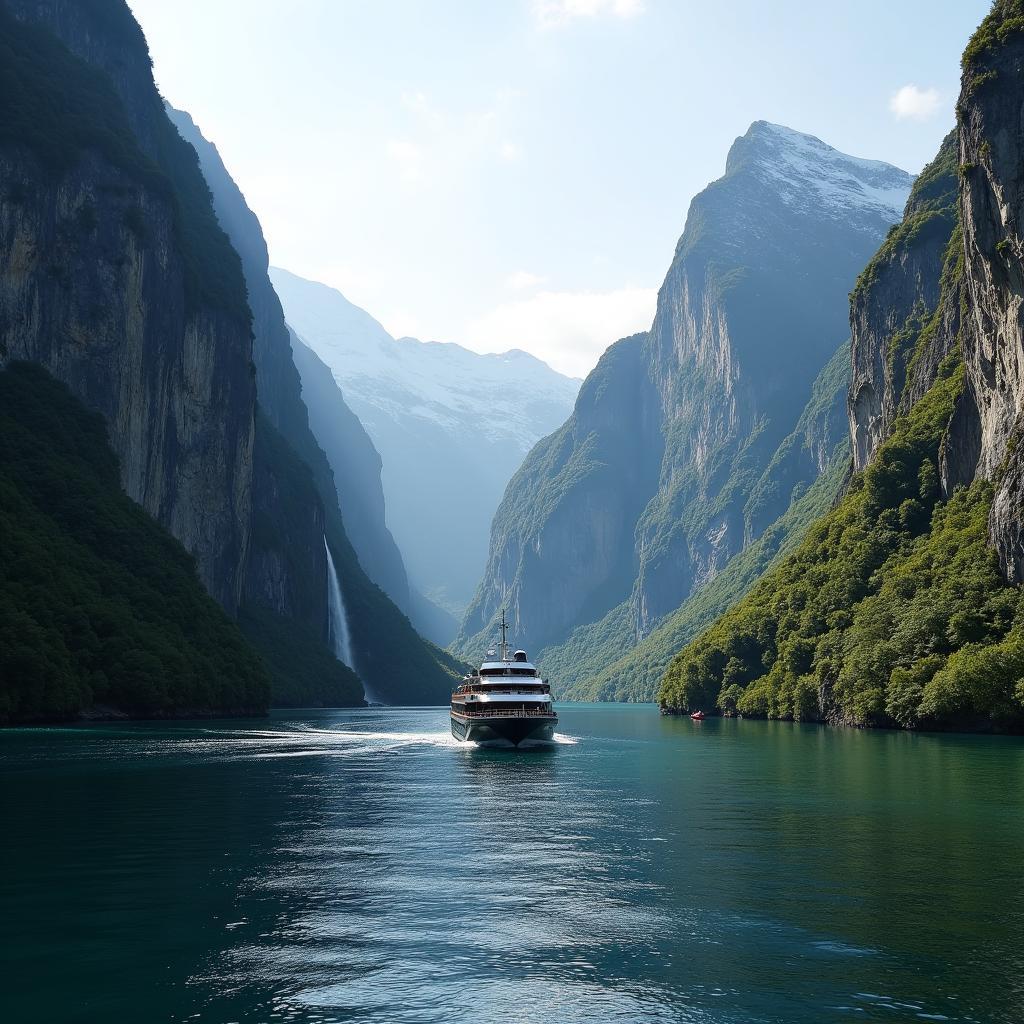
[504, 637]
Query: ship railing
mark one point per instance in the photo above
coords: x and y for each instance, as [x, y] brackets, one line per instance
[507, 687]
[482, 712]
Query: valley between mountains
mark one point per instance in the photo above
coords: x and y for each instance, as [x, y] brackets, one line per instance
[797, 494]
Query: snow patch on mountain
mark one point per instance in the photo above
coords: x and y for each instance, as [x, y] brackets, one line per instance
[805, 171]
[510, 397]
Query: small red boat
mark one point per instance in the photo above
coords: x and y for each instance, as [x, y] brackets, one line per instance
[698, 716]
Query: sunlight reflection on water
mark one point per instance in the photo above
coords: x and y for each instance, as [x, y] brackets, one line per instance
[366, 866]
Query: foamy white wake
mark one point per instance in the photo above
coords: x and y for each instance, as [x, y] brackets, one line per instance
[434, 739]
[304, 740]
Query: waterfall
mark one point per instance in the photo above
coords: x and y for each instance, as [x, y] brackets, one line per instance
[341, 641]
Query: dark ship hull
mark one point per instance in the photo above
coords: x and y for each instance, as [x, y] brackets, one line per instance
[504, 730]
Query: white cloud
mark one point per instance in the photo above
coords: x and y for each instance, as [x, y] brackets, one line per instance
[559, 13]
[409, 158]
[522, 279]
[568, 330]
[510, 151]
[915, 103]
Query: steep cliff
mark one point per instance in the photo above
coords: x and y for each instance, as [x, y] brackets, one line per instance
[752, 309]
[901, 607]
[357, 467]
[287, 564]
[298, 499]
[750, 312]
[899, 334]
[562, 547]
[992, 211]
[115, 276]
[807, 473]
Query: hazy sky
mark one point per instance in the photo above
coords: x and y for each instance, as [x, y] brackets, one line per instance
[515, 173]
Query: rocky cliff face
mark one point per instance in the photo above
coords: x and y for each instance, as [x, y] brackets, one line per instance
[962, 228]
[801, 482]
[897, 330]
[357, 467]
[288, 555]
[99, 283]
[751, 310]
[992, 213]
[116, 275]
[893, 610]
[562, 548]
[277, 380]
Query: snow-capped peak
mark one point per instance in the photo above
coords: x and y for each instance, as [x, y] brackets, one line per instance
[803, 169]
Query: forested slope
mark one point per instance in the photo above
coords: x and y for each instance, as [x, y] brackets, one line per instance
[100, 607]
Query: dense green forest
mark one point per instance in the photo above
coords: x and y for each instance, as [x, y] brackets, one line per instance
[892, 611]
[98, 603]
[303, 671]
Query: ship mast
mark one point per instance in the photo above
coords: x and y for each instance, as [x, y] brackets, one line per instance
[504, 637]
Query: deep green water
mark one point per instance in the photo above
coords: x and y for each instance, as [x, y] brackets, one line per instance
[335, 866]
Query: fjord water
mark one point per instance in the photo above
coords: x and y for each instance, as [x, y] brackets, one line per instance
[337, 866]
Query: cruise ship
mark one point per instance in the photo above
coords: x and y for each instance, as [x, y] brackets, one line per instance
[504, 702]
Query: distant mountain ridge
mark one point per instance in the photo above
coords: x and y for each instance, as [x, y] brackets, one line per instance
[451, 426]
[682, 449]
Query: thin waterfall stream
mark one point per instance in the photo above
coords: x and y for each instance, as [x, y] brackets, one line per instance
[341, 638]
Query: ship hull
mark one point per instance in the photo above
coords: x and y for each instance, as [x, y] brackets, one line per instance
[503, 731]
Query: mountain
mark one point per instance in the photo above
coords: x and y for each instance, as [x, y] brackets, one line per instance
[353, 459]
[599, 662]
[451, 426]
[127, 397]
[685, 444]
[117, 278]
[902, 606]
[302, 500]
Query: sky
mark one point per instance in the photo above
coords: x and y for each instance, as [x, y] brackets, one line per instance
[516, 173]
